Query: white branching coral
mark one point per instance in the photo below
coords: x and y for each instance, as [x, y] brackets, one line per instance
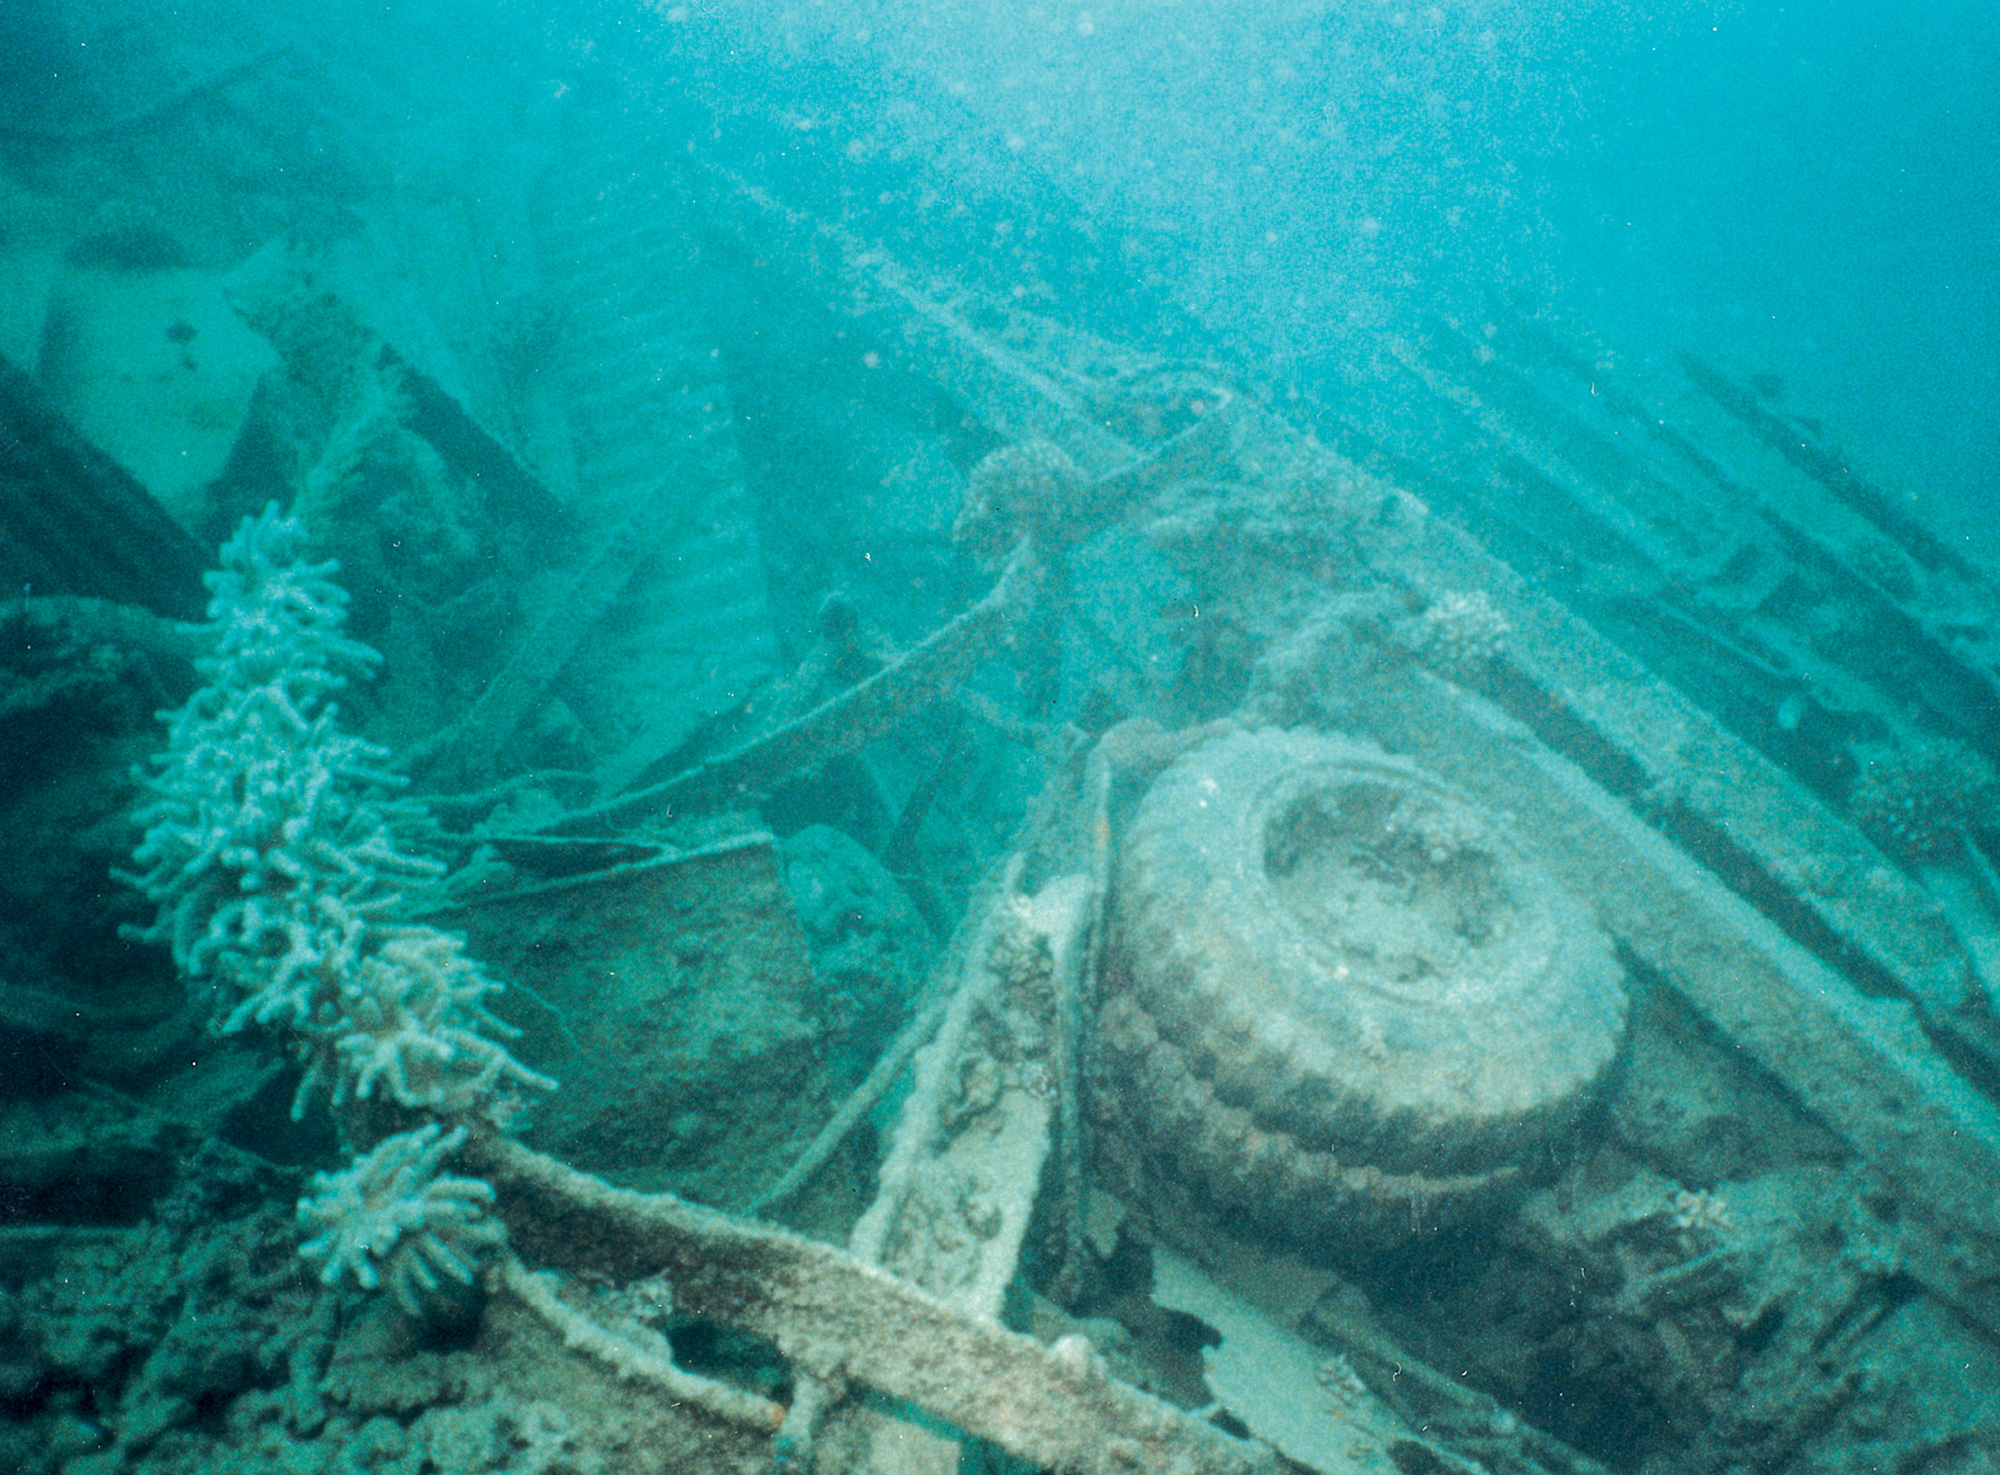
[393, 1217]
[259, 794]
[412, 1021]
[277, 866]
[280, 868]
[1461, 633]
[1919, 800]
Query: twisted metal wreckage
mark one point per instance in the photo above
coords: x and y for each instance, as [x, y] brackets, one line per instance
[1690, 809]
[1651, 628]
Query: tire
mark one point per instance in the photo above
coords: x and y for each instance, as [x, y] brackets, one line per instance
[1349, 954]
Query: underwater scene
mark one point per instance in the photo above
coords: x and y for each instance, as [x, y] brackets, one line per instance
[1123, 737]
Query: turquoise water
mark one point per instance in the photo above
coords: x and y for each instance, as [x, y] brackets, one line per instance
[1811, 191]
[590, 341]
[1816, 188]
[1812, 187]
